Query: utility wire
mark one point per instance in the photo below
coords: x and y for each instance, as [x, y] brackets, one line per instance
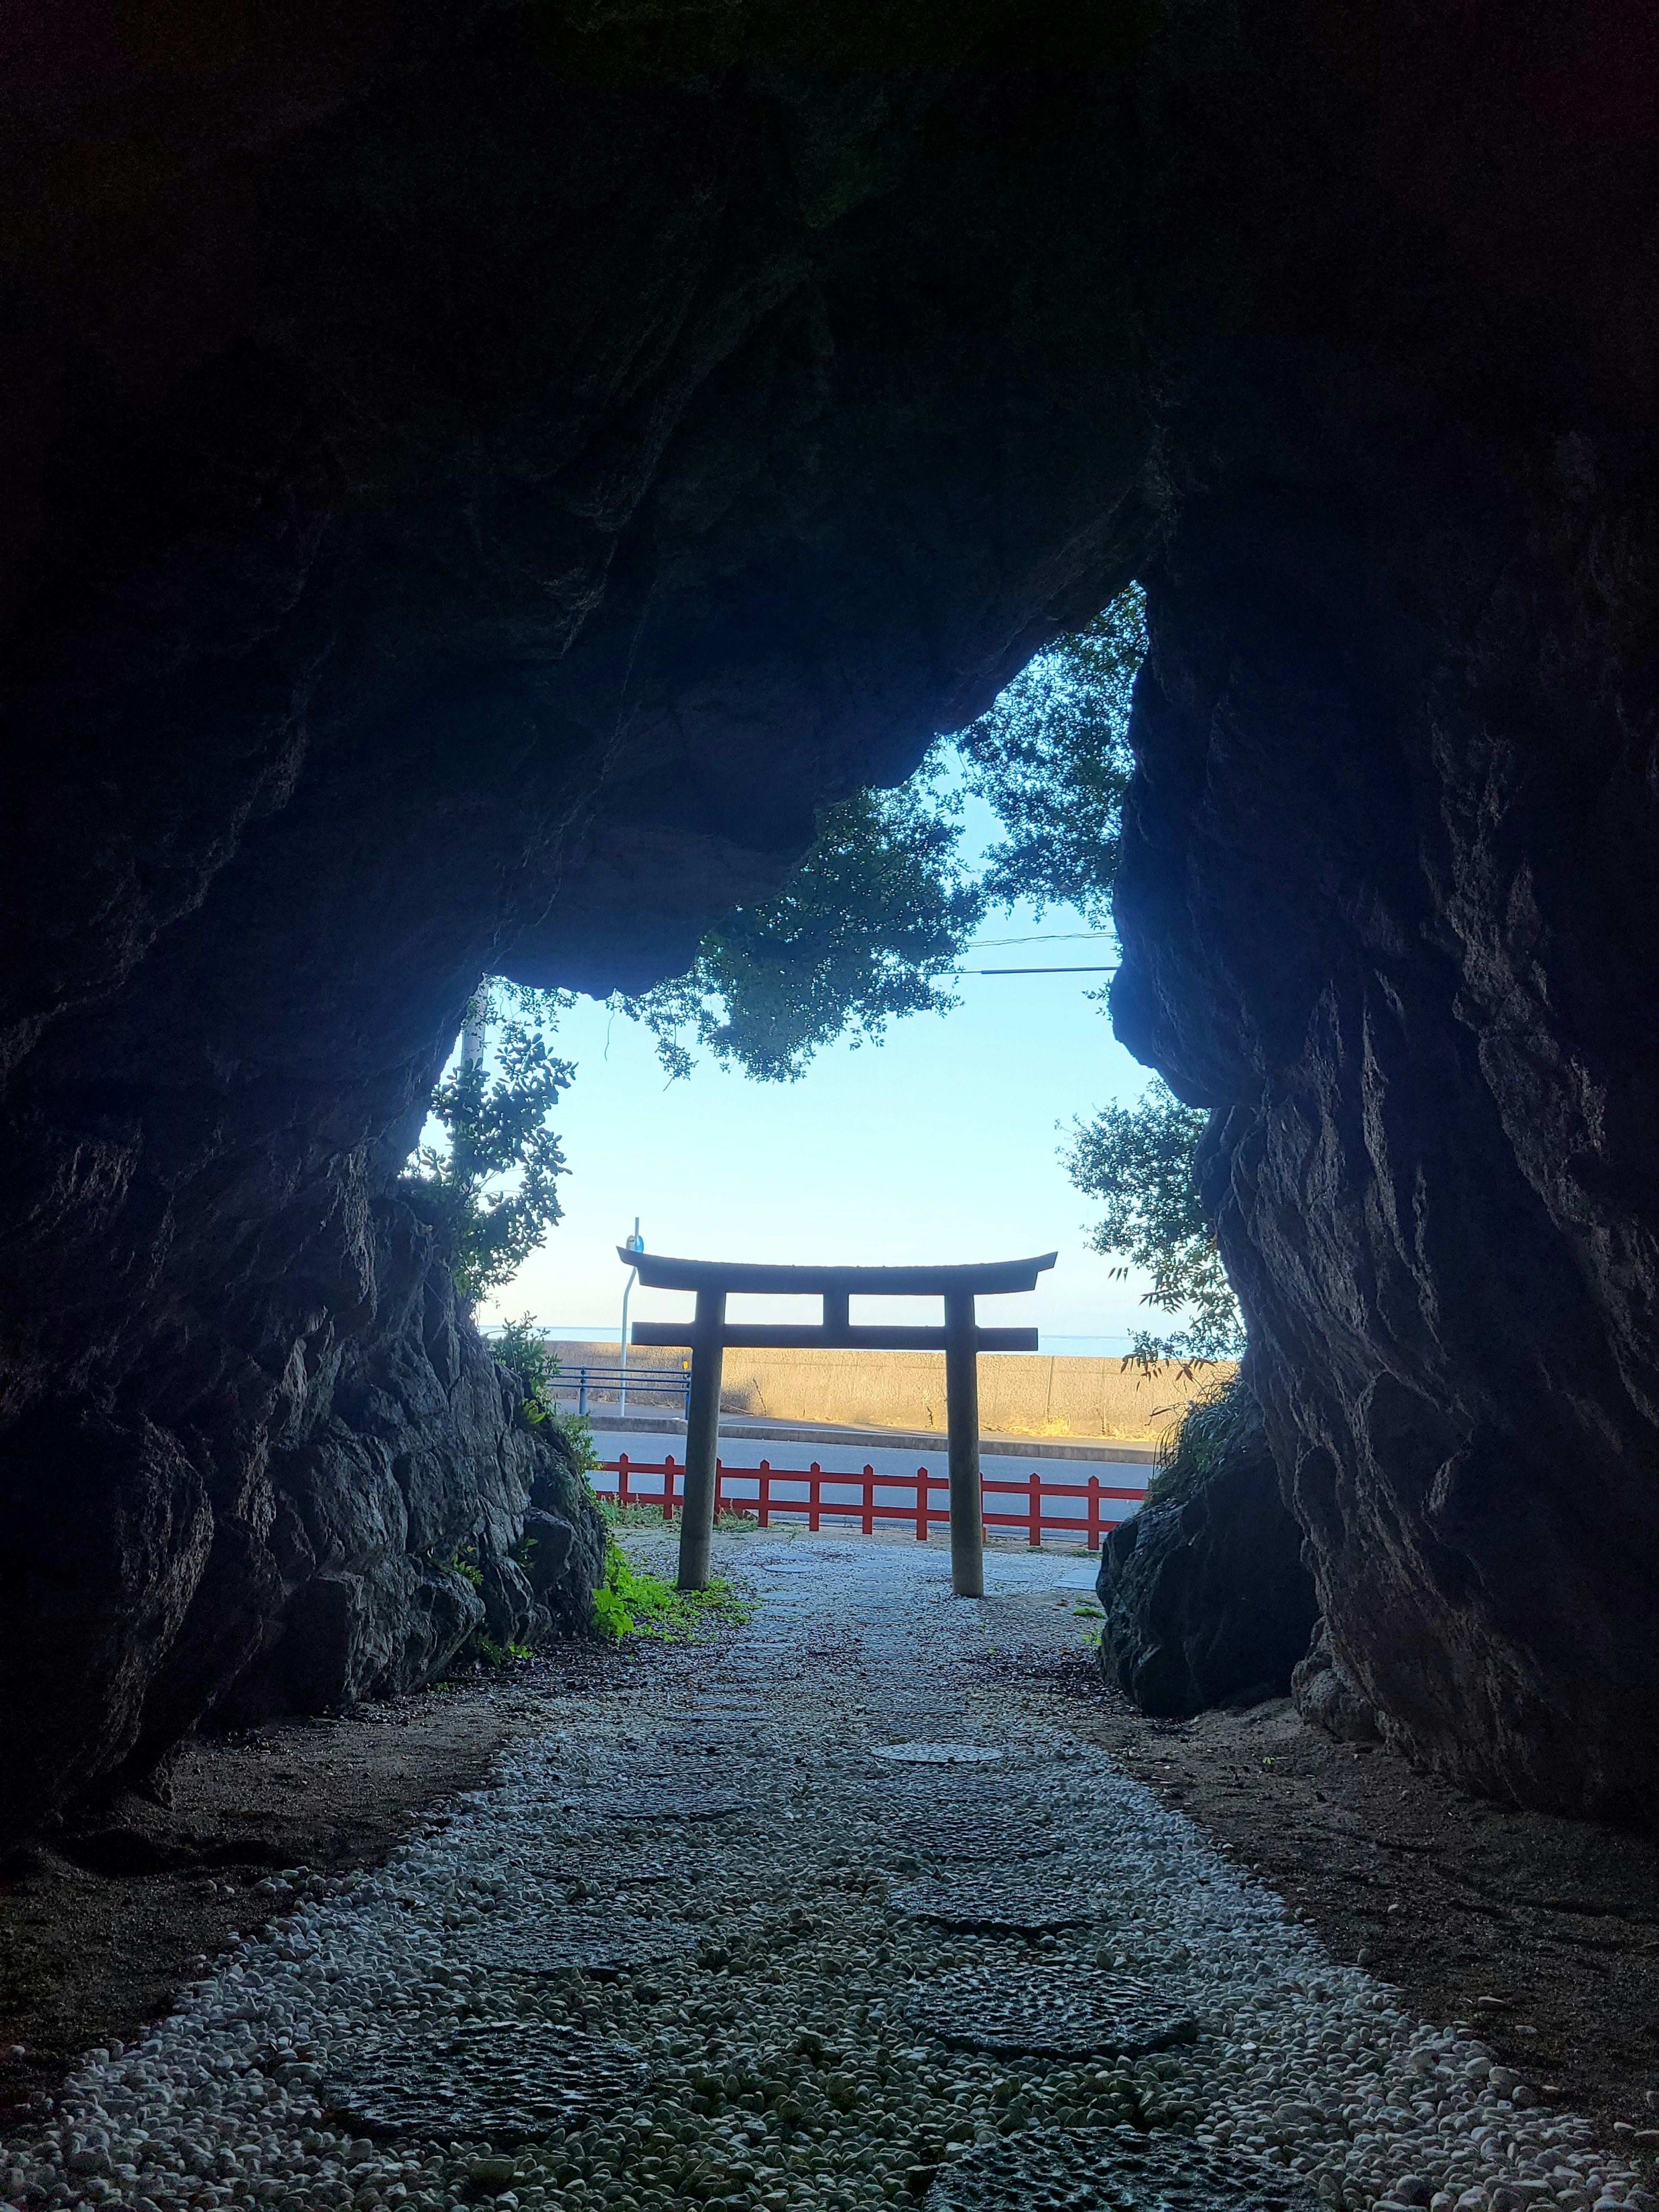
[1047, 937]
[1111, 970]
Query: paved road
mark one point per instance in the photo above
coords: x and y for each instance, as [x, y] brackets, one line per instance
[837, 1914]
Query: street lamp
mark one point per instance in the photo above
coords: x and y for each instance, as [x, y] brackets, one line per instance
[635, 1243]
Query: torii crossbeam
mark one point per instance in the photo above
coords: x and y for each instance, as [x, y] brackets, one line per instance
[961, 1340]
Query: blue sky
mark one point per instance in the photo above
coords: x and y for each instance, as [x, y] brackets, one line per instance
[938, 1145]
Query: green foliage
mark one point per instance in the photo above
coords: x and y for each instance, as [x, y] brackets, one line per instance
[484, 1651]
[632, 1601]
[727, 1520]
[464, 1563]
[1224, 1421]
[578, 1432]
[627, 1517]
[867, 928]
[1051, 760]
[495, 1124]
[520, 1347]
[1139, 1160]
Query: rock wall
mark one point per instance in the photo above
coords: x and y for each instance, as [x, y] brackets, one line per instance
[1207, 1599]
[481, 482]
[1388, 900]
[481, 477]
[386, 1531]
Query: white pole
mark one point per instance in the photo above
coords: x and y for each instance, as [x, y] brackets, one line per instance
[635, 1244]
[474, 1024]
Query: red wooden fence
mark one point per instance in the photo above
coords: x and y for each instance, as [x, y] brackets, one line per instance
[668, 1492]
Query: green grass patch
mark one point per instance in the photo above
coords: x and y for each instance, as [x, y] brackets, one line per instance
[627, 1517]
[650, 1516]
[633, 1601]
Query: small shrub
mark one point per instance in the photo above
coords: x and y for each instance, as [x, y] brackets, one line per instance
[464, 1562]
[522, 1349]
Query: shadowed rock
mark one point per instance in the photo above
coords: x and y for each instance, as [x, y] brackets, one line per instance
[1207, 1601]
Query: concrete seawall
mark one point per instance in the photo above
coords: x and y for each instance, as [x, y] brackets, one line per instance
[1021, 1394]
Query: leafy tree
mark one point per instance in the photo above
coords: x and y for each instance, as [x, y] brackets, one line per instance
[1052, 759]
[868, 928]
[494, 1125]
[1139, 1159]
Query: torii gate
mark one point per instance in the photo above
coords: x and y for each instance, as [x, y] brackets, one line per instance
[961, 1341]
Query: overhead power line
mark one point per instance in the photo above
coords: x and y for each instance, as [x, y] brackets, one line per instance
[1047, 937]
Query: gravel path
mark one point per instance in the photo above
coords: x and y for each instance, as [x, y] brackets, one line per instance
[761, 1939]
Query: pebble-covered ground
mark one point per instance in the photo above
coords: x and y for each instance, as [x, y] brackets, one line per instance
[838, 1921]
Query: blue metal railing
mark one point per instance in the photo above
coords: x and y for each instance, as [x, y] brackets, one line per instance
[658, 1385]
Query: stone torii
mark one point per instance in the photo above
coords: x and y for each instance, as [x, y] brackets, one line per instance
[961, 1341]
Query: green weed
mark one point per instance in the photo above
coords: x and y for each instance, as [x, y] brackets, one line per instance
[632, 1601]
[627, 1517]
[634, 1516]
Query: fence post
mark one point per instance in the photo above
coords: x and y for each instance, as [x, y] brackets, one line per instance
[812, 1474]
[1036, 1512]
[581, 1389]
[869, 1499]
[764, 1507]
[668, 1487]
[719, 1477]
[1094, 1512]
[622, 1479]
[922, 1505]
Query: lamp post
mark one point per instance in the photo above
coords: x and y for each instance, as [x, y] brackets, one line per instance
[635, 1243]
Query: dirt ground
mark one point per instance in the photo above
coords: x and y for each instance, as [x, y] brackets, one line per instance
[1544, 1931]
[99, 1928]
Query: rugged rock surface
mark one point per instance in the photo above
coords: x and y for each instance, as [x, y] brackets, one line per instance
[1388, 904]
[1207, 1601]
[481, 476]
[1325, 1693]
[485, 479]
[389, 1531]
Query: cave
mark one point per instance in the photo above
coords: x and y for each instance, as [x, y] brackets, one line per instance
[481, 478]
